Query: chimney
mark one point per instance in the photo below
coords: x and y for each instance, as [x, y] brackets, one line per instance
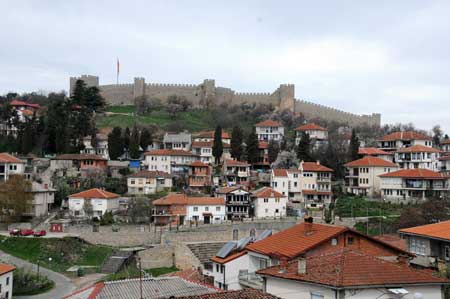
[308, 225]
[318, 162]
[308, 219]
[301, 266]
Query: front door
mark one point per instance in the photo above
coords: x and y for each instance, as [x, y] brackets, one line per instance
[207, 219]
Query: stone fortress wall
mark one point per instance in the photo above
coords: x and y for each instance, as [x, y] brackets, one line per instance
[207, 91]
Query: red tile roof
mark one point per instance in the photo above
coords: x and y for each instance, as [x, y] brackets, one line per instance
[267, 192]
[440, 230]
[229, 162]
[310, 127]
[205, 201]
[199, 164]
[408, 135]
[280, 172]
[79, 157]
[351, 269]
[5, 268]
[225, 190]
[418, 149]
[447, 141]
[169, 152]
[296, 240]
[370, 161]
[445, 158]
[210, 134]
[417, 173]
[150, 174]
[202, 144]
[372, 151]
[25, 104]
[94, 193]
[315, 192]
[171, 199]
[268, 123]
[263, 145]
[7, 158]
[393, 239]
[315, 167]
[246, 293]
[229, 258]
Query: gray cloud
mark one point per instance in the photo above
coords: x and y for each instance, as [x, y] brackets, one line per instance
[361, 56]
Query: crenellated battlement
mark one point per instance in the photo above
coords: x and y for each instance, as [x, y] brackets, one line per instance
[206, 92]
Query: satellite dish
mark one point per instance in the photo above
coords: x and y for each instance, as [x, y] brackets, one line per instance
[418, 296]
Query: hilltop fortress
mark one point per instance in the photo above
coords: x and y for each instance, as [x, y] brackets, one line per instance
[282, 98]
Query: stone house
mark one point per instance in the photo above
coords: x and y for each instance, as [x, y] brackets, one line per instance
[78, 165]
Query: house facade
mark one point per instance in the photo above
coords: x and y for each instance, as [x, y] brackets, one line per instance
[170, 209]
[315, 184]
[236, 172]
[43, 198]
[269, 130]
[418, 156]
[169, 161]
[205, 210]
[78, 164]
[397, 140]
[203, 149]
[10, 165]
[237, 201]
[100, 146]
[177, 141]
[148, 182]
[6, 280]
[200, 176]
[376, 152]
[362, 175]
[413, 185]
[287, 182]
[100, 202]
[317, 134]
[268, 203]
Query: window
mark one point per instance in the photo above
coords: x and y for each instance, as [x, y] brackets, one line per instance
[418, 246]
[334, 242]
[206, 209]
[350, 240]
[217, 209]
[447, 253]
[277, 200]
[266, 200]
[195, 209]
[317, 296]
[217, 268]
[7, 281]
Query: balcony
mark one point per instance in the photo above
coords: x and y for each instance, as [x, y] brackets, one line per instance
[251, 280]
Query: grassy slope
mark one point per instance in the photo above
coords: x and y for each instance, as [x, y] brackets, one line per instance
[65, 252]
[361, 207]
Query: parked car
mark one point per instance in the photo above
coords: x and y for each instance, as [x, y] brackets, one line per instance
[14, 232]
[26, 232]
[40, 233]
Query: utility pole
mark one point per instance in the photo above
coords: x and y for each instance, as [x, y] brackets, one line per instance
[140, 277]
[367, 226]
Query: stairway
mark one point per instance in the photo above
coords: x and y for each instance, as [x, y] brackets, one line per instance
[205, 251]
[116, 261]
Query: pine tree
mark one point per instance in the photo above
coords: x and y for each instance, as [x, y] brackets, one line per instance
[134, 143]
[354, 146]
[304, 148]
[217, 149]
[273, 150]
[115, 143]
[126, 139]
[146, 138]
[79, 93]
[251, 149]
[237, 137]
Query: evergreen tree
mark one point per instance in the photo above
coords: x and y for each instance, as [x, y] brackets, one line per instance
[304, 148]
[134, 143]
[126, 139]
[354, 146]
[79, 92]
[273, 150]
[217, 149]
[251, 149]
[115, 143]
[146, 138]
[446, 137]
[237, 137]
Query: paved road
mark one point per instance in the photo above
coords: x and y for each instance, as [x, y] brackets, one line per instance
[49, 235]
[63, 285]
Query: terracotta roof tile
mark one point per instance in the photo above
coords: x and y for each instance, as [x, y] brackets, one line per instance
[446, 141]
[202, 144]
[393, 239]
[229, 258]
[370, 161]
[372, 151]
[5, 268]
[280, 172]
[418, 149]
[25, 104]
[263, 145]
[199, 164]
[150, 174]
[440, 230]
[417, 173]
[7, 158]
[94, 193]
[169, 152]
[310, 127]
[172, 199]
[205, 201]
[407, 135]
[267, 192]
[315, 167]
[79, 157]
[225, 190]
[210, 134]
[268, 123]
[350, 269]
[229, 162]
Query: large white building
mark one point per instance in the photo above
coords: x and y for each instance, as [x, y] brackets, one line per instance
[10, 165]
[269, 130]
[100, 147]
[203, 149]
[268, 203]
[418, 156]
[398, 140]
[376, 152]
[148, 182]
[169, 161]
[362, 175]
[317, 134]
[6, 281]
[177, 141]
[100, 202]
[205, 209]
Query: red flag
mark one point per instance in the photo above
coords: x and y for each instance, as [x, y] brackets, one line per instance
[118, 66]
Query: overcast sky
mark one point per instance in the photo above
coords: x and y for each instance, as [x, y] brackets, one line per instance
[390, 57]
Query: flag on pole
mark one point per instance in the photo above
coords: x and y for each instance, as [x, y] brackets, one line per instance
[118, 69]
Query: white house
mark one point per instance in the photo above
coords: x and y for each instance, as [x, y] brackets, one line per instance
[287, 182]
[236, 172]
[317, 134]
[398, 140]
[376, 152]
[205, 209]
[169, 160]
[351, 274]
[43, 198]
[362, 175]
[445, 146]
[413, 185]
[269, 130]
[100, 148]
[204, 150]
[101, 201]
[6, 281]
[268, 203]
[418, 156]
[10, 165]
[148, 182]
[237, 200]
[177, 141]
[445, 164]
[208, 136]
